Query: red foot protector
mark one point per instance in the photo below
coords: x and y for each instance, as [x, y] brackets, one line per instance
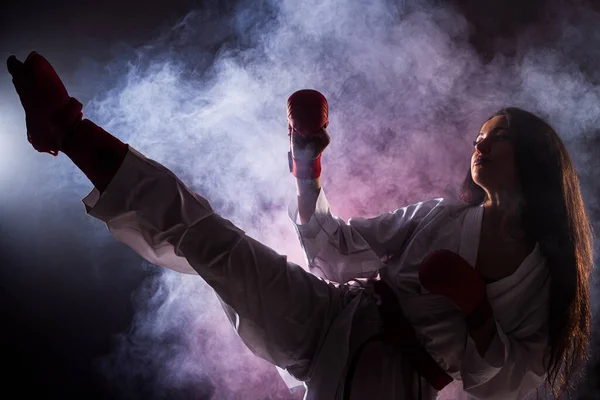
[49, 111]
[54, 121]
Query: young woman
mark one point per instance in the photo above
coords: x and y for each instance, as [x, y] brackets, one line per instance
[431, 318]
[522, 226]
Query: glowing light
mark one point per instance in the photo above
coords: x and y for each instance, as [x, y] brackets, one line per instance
[10, 149]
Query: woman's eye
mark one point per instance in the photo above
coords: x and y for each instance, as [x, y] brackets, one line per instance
[496, 138]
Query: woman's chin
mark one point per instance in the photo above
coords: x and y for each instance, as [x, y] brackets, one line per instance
[479, 177]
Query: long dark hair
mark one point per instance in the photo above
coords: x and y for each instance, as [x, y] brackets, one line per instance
[555, 217]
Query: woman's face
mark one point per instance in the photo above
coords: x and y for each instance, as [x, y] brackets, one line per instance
[493, 165]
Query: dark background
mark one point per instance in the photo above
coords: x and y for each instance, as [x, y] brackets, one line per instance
[58, 312]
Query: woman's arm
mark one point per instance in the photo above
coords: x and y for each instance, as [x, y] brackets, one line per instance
[308, 118]
[512, 366]
[506, 349]
[339, 251]
[514, 363]
[308, 191]
[482, 326]
[499, 362]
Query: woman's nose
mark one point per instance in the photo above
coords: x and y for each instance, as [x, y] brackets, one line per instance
[483, 146]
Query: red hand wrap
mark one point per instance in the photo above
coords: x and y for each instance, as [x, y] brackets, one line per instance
[304, 170]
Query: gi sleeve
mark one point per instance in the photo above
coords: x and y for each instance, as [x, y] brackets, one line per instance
[513, 364]
[280, 311]
[340, 251]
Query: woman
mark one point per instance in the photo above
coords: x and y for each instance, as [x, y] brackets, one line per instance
[524, 228]
[318, 330]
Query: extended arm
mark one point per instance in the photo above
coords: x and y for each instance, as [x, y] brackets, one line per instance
[513, 363]
[308, 116]
[337, 250]
[500, 362]
[308, 192]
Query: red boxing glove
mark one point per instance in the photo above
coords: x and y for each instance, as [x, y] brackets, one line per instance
[445, 272]
[307, 111]
[50, 113]
[307, 119]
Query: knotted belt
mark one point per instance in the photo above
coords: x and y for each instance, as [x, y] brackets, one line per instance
[400, 334]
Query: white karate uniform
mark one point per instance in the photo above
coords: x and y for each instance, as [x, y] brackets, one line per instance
[394, 244]
[302, 323]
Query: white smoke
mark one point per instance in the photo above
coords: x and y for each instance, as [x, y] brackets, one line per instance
[407, 94]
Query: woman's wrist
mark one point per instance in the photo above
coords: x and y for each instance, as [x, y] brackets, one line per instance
[308, 186]
[480, 316]
[303, 168]
[481, 326]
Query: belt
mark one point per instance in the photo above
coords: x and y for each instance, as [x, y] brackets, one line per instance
[398, 332]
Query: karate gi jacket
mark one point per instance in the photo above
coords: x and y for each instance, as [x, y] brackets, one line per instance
[394, 244]
[300, 322]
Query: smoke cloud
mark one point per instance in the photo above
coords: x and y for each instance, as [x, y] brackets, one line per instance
[407, 91]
